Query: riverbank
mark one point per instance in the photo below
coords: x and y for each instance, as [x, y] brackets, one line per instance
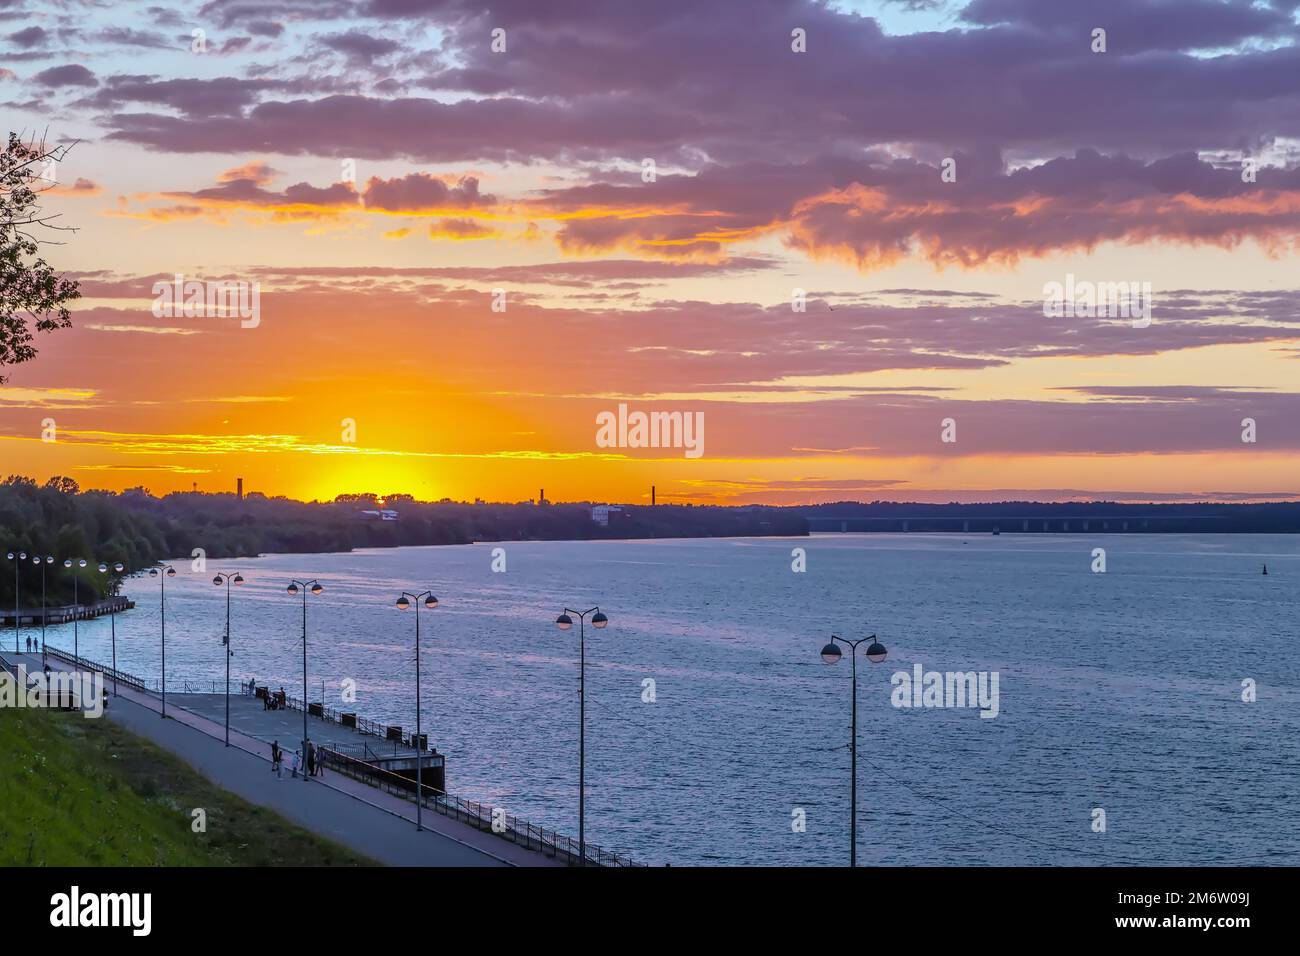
[352, 813]
[81, 792]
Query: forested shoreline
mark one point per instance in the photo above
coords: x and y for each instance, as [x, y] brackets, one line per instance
[136, 528]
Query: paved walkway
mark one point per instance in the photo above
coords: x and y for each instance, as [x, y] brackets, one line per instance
[369, 821]
[250, 717]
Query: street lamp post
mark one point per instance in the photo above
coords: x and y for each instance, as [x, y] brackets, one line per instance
[44, 561]
[315, 588]
[403, 603]
[831, 654]
[76, 608]
[225, 578]
[162, 572]
[564, 622]
[16, 559]
[112, 620]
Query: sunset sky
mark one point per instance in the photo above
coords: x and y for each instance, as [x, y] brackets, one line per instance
[774, 171]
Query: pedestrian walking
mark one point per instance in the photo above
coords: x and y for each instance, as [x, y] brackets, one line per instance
[297, 762]
[311, 758]
[276, 755]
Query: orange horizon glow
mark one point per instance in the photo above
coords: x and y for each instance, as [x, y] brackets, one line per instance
[462, 259]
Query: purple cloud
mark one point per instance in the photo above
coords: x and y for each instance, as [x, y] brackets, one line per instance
[360, 46]
[73, 74]
[28, 37]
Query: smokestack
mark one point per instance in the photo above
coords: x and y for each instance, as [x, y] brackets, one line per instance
[541, 496]
[652, 496]
[239, 489]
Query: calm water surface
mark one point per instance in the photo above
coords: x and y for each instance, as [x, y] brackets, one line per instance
[1119, 690]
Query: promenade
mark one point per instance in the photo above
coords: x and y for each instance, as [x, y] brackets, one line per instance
[368, 820]
[251, 719]
[63, 613]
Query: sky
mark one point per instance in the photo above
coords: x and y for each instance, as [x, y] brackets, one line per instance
[826, 231]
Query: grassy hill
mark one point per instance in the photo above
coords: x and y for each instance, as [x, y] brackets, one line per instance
[78, 792]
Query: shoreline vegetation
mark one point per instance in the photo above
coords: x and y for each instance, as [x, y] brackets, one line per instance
[137, 528]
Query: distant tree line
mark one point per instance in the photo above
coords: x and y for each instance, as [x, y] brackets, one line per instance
[1208, 517]
[136, 528]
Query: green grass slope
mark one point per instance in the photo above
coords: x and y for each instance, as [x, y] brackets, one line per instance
[79, 792]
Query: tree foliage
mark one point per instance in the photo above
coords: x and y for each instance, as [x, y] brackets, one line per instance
[33, 296]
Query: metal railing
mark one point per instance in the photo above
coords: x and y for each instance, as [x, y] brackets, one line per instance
[363, 725]
[63, 613]
[478, 815]
[150, 685]
[364, 751]
[184, 686]
[122, 677]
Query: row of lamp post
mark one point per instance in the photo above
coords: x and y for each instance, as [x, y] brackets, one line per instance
[831, 654]
[404, 602]
[43, 561]
[163, 571]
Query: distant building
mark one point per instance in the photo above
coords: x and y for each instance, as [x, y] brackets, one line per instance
[382, 514]
[602, 513]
